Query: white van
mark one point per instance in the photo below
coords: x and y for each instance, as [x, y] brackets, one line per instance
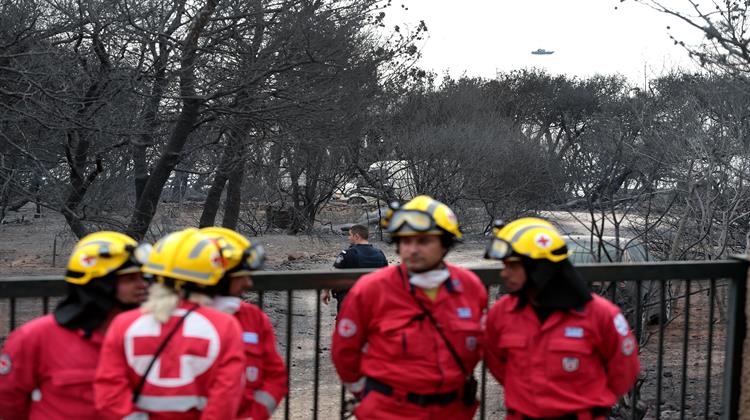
[392, 180]
[592, 249]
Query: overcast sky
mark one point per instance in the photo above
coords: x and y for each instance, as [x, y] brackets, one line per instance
[481, 37]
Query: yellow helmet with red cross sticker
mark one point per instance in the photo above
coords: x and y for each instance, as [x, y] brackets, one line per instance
[187, 255]
[422, 215]
[528, 237]
[242, 256]
[99, 254]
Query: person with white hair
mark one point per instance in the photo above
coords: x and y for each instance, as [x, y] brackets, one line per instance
[175, 357]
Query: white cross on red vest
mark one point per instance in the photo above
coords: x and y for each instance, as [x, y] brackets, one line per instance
[169, 359]
[191, 351]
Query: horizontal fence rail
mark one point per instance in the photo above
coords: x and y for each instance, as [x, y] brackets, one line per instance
[693, 312]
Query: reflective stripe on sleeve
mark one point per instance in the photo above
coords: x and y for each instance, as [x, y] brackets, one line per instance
[265, 399]
[355, 387]
[180, 404]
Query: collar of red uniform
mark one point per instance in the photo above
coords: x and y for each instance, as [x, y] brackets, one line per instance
[517, 305]
[96, 337]
[453, 284]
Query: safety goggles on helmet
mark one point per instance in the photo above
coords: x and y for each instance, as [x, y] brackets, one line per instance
[138, 257]
[252, 259]
[393, 207]
[411, 221]
[498, 249]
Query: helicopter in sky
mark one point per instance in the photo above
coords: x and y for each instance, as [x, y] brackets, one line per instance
[542, 51]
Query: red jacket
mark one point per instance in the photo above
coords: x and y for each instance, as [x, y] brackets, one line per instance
[403, 348]
[47, 372]
[576, 360]
[198, 375]
[265, 374]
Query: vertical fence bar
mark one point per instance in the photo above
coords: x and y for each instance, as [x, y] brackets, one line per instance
[45, 305]
[288, 352]
[638, 322]
[660, 346]
[342, 401]
[260, 299]
[709, 347]
[483, 401]
[12, 325]
[316, 384]
[685, 339]
[736, 329]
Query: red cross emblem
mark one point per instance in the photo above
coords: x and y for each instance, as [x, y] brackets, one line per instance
[190, 352]
[5, 364]
[347, 328]
[543, 240]
[570, 364]
[628, 346]
[217, 260]
[88, 260]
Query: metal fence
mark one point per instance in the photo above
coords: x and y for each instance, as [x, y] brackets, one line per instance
[688, 316]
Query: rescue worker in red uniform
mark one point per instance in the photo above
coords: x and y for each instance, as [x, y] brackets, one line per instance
[265, 373]
[408, 336]
[560, 351]
[175, 357]
[47, 365]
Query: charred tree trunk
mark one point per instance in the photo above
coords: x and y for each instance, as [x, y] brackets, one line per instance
[235, 177]
[161, 52]
[77, 144]
[80, 183]
[234, 198]
[211, 205]
[191, 104]
[149, 199]
[146, 139]
[271, 171]
[296, 213]
[231, 161]
[179, 187]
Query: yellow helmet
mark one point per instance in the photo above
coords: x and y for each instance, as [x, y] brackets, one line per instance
[422, 215]
[241, 255]
[187, 255]
[99, 254]
[530, 237]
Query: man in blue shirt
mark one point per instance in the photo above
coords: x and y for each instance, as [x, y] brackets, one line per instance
[360, 254]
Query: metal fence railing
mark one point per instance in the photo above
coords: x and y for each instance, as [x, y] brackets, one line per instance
[688, 316]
